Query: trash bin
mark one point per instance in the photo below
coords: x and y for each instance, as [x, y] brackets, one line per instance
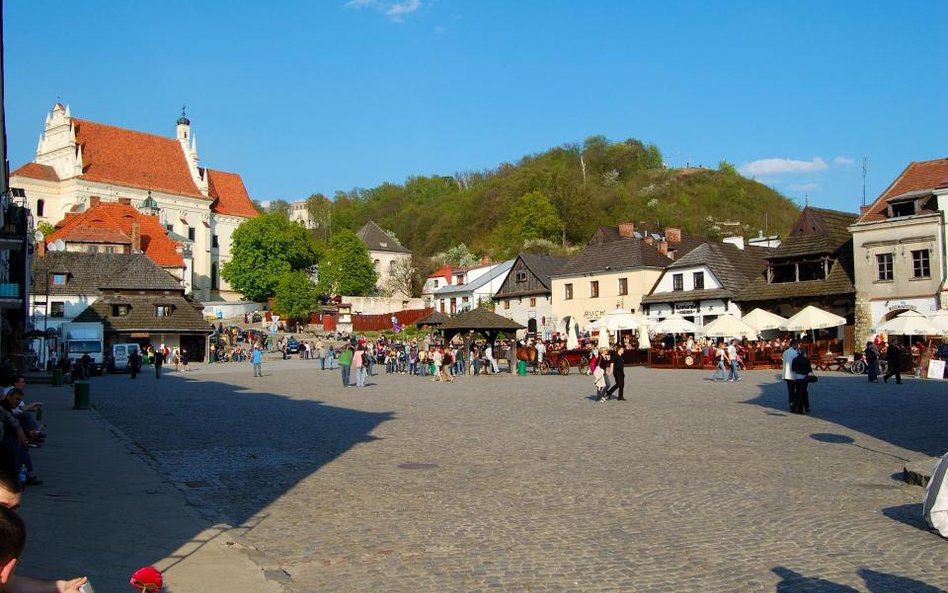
[81, 395]
[57, 377]
[521, 367]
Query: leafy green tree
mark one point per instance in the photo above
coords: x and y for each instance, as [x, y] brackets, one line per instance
[347, 268]
[46, 228]
[281, 207]
[533, 216]
[295, 296]
[460, 256]
[263, 249]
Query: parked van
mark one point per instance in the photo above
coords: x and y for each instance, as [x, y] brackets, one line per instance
[118, 356]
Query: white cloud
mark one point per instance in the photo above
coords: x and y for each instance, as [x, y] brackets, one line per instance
[842, 161]
[396, 11]
[399, 9]
[782, 166]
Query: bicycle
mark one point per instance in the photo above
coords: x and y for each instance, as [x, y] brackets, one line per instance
[861, 367]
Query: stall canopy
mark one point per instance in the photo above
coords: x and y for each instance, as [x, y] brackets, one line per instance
[811, 317]
[728, 326]
[909, 323]
[482, 321]
[764, 320]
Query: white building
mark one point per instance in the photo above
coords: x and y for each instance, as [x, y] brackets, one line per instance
[79, 160]
[457, 298]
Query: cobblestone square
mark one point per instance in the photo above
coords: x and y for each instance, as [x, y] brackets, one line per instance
[512, 483]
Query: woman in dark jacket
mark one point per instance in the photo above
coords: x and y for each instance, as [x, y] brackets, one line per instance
[872, 362]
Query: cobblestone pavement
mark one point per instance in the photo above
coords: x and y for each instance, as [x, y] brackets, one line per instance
[523, 484]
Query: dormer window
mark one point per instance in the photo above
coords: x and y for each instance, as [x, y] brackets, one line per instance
[521, 276]
[903, 209]
[163, 311]
[58, 279]
[120, 310]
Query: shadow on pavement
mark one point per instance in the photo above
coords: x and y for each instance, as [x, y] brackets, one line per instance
[876, 582]
[912, 416]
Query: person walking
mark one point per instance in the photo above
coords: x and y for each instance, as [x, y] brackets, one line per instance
[872, 361]
[159, 361]
[734, 361]
[321, 354]
[185, 359]
[788, 375]
[618, 373]
[605, 363]
[134, 362]
[256, 359]
[893, 356]
[345, 363]
[720, 358]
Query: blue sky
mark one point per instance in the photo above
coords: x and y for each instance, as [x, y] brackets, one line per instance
[327, 95]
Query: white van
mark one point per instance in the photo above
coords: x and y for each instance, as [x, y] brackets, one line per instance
[118, 356]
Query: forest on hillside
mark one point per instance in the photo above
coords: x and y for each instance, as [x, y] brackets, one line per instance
[555, 200]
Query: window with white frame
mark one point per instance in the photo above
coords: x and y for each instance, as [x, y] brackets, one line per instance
[884, 267]
[921, 266]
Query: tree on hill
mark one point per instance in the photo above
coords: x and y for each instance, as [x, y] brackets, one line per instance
[263, 249]
[532, 217]
[347, 268]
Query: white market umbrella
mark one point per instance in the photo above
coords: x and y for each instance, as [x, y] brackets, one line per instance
[570, 327]
[676, 324]
[813, 318]
[619, 320]
[644, 342]
[728, 326]
[909, 323]
[940, 319]
[764, 320]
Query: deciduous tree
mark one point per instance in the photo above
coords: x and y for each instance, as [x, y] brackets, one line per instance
[296, 296]
[347, 268]
[263, 249]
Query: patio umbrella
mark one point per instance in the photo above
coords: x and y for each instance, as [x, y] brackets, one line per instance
[813, 318]
[676, 324]
[571, 328]
[728, 326]
[644, 342]
[909, 323]
[940, 319]
[764, 320]
[619, 320]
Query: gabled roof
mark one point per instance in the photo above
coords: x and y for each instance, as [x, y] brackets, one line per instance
[230, 195]
[733, 267]
[500, 269]
[114, 220]
[94, 273]
[817, 231]
[623, 254]
[378, 240]
[917, 176]
[542, 267]
[141, 315]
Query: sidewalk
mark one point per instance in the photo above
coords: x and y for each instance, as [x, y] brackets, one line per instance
[104, 512]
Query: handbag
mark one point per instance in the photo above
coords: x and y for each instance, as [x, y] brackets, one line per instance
[811, 378]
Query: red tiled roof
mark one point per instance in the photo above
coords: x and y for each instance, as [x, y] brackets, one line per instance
[917, 176]
[86, 234]
[230, 195]
[133, 159]
[109, 216]
[36, 171]
[444, 271]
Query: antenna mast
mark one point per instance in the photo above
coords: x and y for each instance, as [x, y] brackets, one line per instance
[865, 167]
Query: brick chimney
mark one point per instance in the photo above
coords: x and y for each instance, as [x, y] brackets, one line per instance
[41, 248]
[663, 247]
[649, 240]
[126, 201]
[626, 229]
[94, 201]
[485, 260]
[864, 209]
[673, 235]
[136, 236]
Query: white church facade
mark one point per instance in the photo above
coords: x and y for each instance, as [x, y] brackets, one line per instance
[79, 163]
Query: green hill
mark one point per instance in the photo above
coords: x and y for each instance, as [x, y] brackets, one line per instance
[561, 196]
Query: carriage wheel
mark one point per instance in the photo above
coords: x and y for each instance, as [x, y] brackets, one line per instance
[563, 366]
[858, 367]
[584, 366]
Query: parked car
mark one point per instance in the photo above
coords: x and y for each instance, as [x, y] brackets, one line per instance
[292, 345]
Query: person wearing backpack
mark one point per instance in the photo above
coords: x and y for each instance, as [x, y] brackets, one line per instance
[360, 362]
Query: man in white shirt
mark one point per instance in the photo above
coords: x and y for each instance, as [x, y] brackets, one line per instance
[788, 375]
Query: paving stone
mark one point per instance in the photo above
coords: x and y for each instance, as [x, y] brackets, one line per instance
[525, 484]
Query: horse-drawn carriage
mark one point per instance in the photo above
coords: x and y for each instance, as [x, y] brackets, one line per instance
[560, 360]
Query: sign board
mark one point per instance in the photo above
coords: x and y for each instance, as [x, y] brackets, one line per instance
[936, 369]
[219, 314]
